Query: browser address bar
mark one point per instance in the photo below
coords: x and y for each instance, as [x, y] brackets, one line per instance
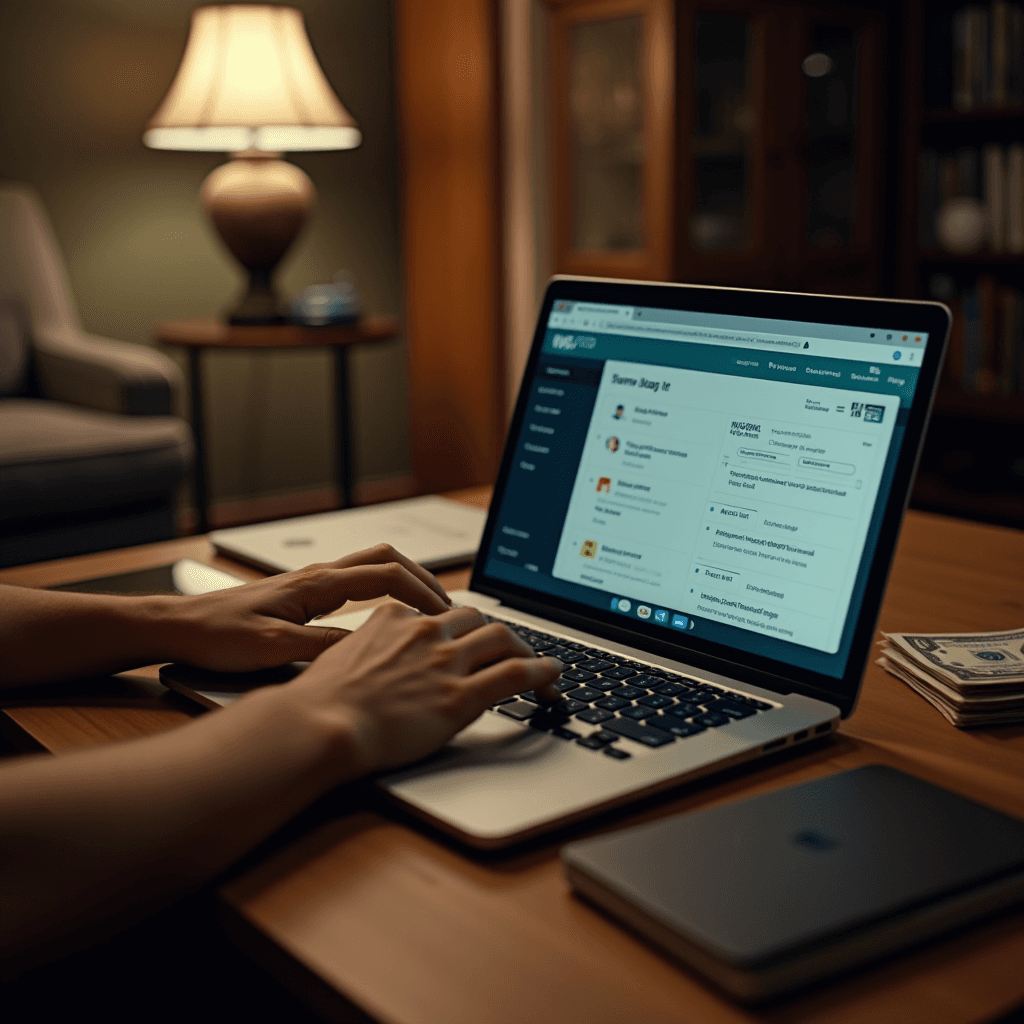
[667, 331]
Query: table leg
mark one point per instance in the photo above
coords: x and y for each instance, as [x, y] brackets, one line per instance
[343, 426]
[199, 434]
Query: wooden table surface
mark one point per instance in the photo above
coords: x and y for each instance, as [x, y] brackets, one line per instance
[412, 928]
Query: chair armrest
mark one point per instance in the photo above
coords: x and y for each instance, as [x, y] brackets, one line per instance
[98, 373]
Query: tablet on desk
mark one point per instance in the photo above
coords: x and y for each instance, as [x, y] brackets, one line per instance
[770, 893]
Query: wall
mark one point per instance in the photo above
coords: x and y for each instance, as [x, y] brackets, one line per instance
[78, 81]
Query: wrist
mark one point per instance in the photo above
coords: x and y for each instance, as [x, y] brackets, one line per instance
[316, 747]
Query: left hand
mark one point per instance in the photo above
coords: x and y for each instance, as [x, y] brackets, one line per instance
[263, 624]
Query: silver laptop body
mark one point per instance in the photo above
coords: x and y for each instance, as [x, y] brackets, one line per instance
[854, 375]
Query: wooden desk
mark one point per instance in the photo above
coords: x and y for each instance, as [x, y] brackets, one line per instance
[196, 335]
[411, 928]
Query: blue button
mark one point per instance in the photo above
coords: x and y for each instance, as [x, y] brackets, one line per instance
[680, 622]
[661, 615]
[896, 356]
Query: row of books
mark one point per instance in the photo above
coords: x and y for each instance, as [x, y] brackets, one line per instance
[986, 347]
[988, 55]
[993, 174]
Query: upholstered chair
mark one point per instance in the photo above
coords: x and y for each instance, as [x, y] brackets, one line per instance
[91, 456]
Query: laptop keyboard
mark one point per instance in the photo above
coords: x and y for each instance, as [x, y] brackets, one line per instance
[625, 698]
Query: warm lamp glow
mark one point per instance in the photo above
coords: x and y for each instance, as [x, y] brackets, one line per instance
[249, 80]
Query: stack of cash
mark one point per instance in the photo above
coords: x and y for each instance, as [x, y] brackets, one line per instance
[972, 678]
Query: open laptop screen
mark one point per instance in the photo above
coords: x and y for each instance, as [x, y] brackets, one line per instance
[709, 474]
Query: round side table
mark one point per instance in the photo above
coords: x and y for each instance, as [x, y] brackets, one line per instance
[197, 335]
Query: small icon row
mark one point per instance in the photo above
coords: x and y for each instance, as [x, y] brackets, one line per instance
[660, 615]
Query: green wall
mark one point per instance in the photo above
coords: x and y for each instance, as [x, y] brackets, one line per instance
[78, 81]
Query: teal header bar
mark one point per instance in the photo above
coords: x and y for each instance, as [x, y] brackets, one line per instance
[845, 374]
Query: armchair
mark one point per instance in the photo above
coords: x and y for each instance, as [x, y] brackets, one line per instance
[90, 455]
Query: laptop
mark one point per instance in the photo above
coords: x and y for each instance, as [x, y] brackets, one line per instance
[434, 531]
[696, 512]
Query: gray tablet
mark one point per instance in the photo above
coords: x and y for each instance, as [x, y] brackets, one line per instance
[766, 894]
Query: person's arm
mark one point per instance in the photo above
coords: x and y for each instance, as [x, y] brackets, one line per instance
[92, 840]
[48, 635]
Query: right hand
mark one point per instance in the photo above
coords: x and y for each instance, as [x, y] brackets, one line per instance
[403, 684]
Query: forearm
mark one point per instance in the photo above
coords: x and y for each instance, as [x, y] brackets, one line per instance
[105, 836]
[47, 636]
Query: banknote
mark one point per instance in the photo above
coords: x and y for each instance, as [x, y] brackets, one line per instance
[967, 661]
[959, 716]
[976, 700]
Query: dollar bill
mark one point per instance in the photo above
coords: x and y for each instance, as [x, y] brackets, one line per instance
[957, 715]
[967, 661]
[977, 700]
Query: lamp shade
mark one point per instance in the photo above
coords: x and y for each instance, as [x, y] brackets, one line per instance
[249, 80]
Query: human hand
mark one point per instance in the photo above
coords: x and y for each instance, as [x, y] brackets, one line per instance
[403, 684]
[263, 624]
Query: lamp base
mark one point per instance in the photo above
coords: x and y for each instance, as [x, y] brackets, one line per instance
[260, 304]
[258, 204]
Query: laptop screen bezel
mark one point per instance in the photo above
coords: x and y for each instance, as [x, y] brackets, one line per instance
[931, 317]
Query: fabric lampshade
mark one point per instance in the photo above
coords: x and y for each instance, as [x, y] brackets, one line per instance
[249, 80]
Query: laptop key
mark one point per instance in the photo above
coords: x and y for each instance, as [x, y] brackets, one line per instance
[594, 665]
[578, 675]
[563, 685]
[656, 700]
[641, 733]
[594, 716]
[628, 692]
[683, 710]
[565, 734]
[611, 703]
[605, 737]
[683, 729]
[519, 710]
[568, 707]
[585, 694]
[590, 742]
[571, 657]
[731, 708]
[636, 712]
[616, 752]
[504, 700]
[711, 719]
[531, 697]
[619, 673]
[648, 682]
[604, 684]
[669, 689]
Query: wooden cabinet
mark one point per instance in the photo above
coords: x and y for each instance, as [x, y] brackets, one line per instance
[728, 143]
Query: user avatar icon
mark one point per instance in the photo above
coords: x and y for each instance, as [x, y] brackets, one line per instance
[604, 483]
[619, 410]
[613, 443]
[589, 549]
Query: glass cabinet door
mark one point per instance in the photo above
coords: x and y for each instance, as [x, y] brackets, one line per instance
[720, 147]
[606, 130]
[613, 138]
[831, 72]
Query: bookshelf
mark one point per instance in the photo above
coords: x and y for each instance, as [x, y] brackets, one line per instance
[963, 99]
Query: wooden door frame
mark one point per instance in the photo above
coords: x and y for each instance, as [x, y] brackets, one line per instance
[447, 72]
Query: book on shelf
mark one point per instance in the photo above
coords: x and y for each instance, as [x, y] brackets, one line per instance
[987, 56]
[986, 345]
[994, 175]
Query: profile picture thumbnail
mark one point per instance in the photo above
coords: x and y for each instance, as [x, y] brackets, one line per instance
[589, 549]
[604, 483]
[619, 410]
[613, 443]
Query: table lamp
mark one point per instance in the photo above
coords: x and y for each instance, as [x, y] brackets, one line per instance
[249, 84]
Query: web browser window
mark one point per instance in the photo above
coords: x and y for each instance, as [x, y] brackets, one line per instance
[719, 475]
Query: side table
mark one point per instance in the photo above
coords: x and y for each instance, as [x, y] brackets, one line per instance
[196, 335]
